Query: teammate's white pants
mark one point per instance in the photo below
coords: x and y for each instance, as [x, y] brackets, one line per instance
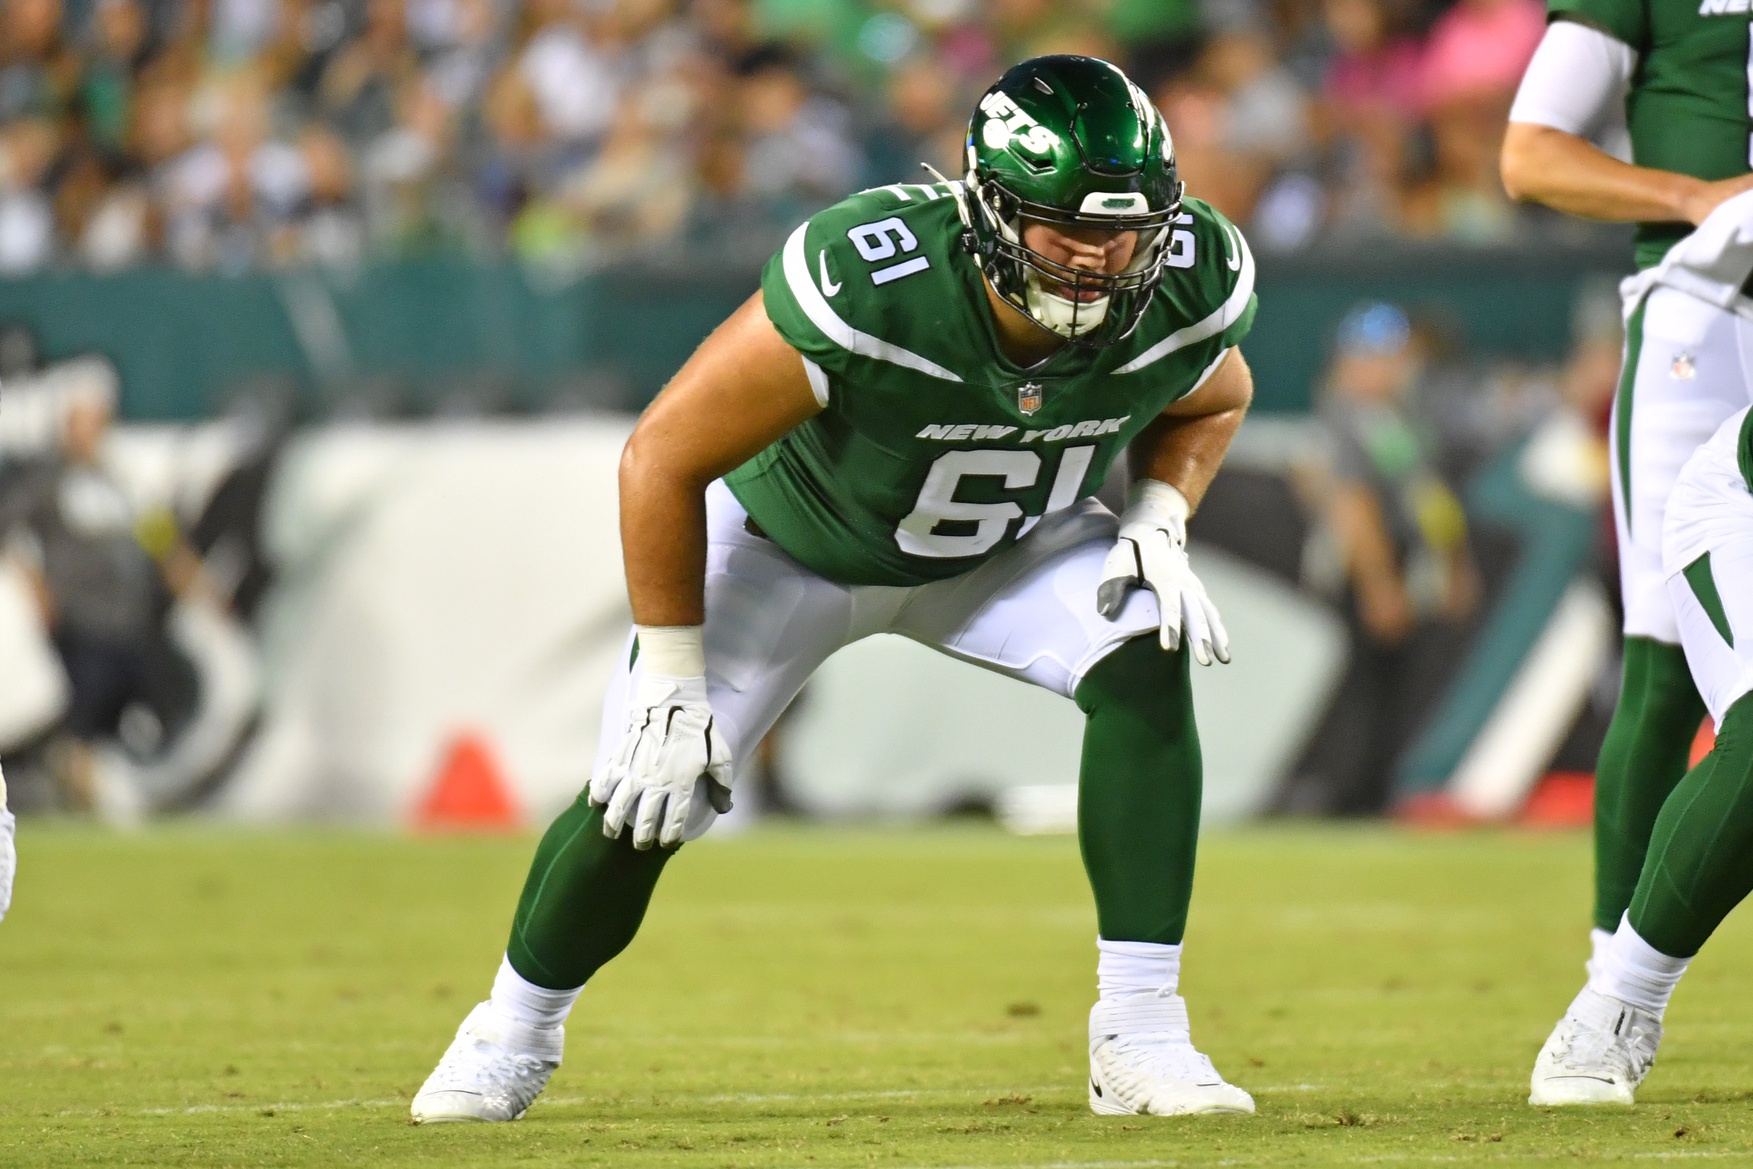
[1690, 366]
[1029, 612]
[1711, 512]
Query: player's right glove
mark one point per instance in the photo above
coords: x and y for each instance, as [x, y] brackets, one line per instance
[673, 767]
[1152, 553]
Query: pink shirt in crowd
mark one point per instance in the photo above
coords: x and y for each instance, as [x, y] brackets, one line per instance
[1481, 47]
[1391, 78]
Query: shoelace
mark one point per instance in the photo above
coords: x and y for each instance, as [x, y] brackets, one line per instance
[1165, 1055]
[1587, 1047]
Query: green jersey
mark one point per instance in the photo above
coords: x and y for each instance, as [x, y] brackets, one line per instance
[1687, 106]
[934, 451]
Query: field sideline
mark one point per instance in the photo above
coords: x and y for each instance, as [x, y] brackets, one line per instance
[814, 998]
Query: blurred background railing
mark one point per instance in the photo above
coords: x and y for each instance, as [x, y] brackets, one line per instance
[454, 336]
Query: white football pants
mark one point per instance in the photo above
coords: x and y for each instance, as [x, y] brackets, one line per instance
[1029, 612]
[1711, 511]
[1693, 368]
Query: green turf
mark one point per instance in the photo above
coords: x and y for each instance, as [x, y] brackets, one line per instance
[823, 998]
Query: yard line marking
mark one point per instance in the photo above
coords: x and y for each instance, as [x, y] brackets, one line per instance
[621, 1101]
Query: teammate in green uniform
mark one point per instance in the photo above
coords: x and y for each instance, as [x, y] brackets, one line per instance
[1681, 68]
[901, 433]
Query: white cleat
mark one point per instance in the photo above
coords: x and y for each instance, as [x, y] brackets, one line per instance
[1598, 1054]
[1143, 1063]
[492, 1071]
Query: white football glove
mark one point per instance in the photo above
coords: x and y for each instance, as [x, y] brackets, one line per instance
[1152, 552]
[673, 768]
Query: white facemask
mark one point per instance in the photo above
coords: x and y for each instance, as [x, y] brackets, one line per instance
[1062, 315]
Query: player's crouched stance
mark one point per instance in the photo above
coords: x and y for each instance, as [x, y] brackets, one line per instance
[901, 434]
[1700, 860]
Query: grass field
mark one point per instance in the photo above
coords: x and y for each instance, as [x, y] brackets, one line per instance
[823, 998]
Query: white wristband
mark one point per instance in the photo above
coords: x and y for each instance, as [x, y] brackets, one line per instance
[1157, 502]
[672, 651]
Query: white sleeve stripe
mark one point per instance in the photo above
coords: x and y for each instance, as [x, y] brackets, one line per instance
[818, 381]
[815, 307]
[1226, 315]
[1576, 77]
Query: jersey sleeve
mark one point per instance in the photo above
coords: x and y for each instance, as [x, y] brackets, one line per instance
[809, 290]
[1224, 271]
[1577, 76]
[1208, 304]
[1623, 20]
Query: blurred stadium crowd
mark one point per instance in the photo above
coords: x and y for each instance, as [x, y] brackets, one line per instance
[229, 134]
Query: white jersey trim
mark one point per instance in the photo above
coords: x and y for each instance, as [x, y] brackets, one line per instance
[1577, 76]
[818, 381]
[1209, 370]
[815, 307]
[1226, 315]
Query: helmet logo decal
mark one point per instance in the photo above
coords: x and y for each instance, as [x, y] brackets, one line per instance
[1011, 123]
[1114, 203]
[1029, 397]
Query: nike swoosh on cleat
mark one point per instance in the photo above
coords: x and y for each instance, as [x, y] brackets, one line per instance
[829, 288]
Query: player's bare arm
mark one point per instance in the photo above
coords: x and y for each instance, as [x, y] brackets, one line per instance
[1186, 444]
[742, 389]
[1568, 173]
[1173, 461]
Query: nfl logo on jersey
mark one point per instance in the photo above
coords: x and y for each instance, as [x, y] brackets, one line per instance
[1028, 397]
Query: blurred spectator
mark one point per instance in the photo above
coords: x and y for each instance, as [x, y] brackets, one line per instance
[27, 219]
[38, 72]
[1369, 100]
[118, 41]
[358, 87]
[799, 148]
[572, 72]
[71, 524]
[1478, 50]
[1402, 540]
[926, 119]
[231, 198]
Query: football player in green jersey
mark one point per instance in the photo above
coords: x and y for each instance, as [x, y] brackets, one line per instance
[901, 433]
[1681, 68]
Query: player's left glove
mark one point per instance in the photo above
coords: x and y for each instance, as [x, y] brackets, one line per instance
[673, 767]
[1152, 552]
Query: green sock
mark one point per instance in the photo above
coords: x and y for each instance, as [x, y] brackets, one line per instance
[1642, 758]
[583, 900]
[1138, 791]
[1700, 863]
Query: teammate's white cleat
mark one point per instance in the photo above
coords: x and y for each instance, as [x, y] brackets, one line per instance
[1598, 1054]
[492, 1071]
[1143, 1062]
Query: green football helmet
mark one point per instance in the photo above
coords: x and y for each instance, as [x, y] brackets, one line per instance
[1069, 141]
